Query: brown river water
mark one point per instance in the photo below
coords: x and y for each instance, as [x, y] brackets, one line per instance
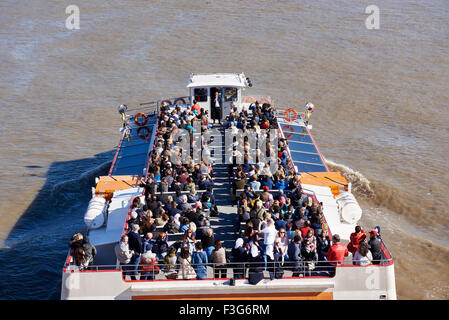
[381, 98]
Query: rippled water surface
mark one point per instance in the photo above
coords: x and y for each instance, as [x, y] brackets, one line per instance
[381, 97]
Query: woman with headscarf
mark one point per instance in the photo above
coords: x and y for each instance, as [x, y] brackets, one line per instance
[256, 266]
[240, 256]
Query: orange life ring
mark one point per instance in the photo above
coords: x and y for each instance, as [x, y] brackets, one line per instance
[288, 118]
[140, 114]
[261, 100]
[290, 129]
[141, 135]
[180, 99]
[246, 99]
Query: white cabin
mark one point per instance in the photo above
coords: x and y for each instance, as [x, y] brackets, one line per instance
[203, 88]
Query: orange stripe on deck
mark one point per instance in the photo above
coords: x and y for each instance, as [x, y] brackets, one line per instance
[243, 296]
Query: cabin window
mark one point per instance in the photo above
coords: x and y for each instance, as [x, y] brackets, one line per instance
[230, 94]
[200, 94]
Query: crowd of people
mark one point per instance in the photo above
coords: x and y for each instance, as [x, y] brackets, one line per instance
[284, 228]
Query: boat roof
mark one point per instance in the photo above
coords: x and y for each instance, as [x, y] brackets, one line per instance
[237, 80]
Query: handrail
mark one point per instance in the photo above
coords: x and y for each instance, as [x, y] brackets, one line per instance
[299, 269]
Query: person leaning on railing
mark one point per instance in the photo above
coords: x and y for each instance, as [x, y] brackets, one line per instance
[362, 256]
[375, 246]
[218, 257]
[124, 254]
[336, 254]
[186, 271]
[199, 260]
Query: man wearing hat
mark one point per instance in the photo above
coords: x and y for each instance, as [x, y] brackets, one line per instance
[375, 246]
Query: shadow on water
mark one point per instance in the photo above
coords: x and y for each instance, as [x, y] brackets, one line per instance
[32, 256]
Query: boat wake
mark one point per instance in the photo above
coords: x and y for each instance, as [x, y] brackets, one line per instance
[71, 188]
[361, 186]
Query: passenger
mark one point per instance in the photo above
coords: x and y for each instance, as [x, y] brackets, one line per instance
[196, 108]
[199, 260]
[375, 247]
[362, 256]
[240, 256]
[189, 185]
[316, 217]
[256, 264]
[170, 263]
[208, 242]
[216, 108]
[148, 267]
[282, 242]
[137, 205]
[79, 241]
[218, 257]
[323, 244]
[163, 185]
[253, 183]
[80, 258]
[189, 240]
[185, 224]
[304, 230]
[160, 246]
[136, 245]
[309, 252]
[148, 242]
[134, 220]
[124, 254]
[337, 252]
[277, 271]
[294, 254]
[162, 220]
[269, 235]
[186, 270]
[147, 224]
[259, 210]
[171, 226]
[290, 231]
[184, 206]
[355, 238]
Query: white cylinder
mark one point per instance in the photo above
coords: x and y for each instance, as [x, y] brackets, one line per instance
[94, 217]
[349, 208]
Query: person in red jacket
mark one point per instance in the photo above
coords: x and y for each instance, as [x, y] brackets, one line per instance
[337, 252]
[305, 229]
[196, 108]
[356, 237]
[148, 266]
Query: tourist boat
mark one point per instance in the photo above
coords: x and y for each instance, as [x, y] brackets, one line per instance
[112, 195]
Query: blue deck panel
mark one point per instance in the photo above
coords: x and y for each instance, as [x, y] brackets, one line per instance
[303, 150]
[306, 147]
[305, 157]
[309, 168]
[132, 155]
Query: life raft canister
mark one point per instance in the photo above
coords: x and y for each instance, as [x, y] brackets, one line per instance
[145, 134]
[287, 115]
[136, 119]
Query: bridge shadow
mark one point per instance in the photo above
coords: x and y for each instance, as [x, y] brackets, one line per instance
[33, 253]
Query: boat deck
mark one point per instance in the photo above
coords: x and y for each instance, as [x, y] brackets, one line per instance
[132, 154]
[303, 150]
